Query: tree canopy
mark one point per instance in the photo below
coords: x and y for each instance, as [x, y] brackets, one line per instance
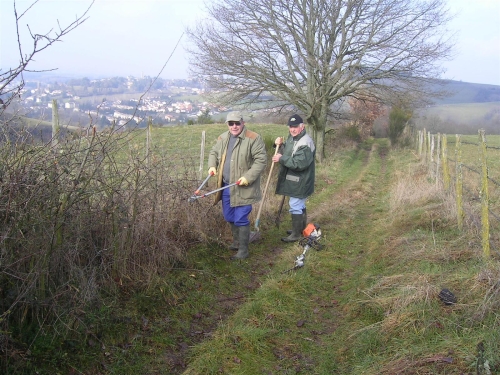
[308, 55]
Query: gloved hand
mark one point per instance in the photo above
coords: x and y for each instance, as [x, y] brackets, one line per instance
[212, 171]
[242, 181]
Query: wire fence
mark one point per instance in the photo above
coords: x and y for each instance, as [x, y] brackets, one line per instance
[190, 149]
[469, 168]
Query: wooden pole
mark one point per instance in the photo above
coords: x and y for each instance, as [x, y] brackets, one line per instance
[485, 197]
[148, 140]
[431, 154]
[202, 154]
[459, 184]
[55, 124]
[438, 157]
[420, 142]
[446, 168]
[424, 144]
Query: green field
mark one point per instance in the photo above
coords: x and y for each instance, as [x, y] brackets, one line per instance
[471, 152]
[464, 113]
[471, 158]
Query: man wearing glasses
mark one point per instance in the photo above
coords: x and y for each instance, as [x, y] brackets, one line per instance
[238, 156]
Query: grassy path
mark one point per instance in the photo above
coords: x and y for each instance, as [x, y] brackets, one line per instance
[297, 321]
[365, 303]
[357, 231]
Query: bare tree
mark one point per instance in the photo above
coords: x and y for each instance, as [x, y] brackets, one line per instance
[307, 55]
[12, 80]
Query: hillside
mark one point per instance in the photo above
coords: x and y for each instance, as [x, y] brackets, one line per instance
[467, 108]
[466, 92]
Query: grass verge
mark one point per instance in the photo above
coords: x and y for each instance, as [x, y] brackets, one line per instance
[367, 303]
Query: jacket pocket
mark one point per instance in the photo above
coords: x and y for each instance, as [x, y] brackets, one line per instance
[292, 178]
[246, 192]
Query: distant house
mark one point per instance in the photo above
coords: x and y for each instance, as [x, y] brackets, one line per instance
[125, 116]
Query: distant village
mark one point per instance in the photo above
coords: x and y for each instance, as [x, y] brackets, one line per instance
[118, 100]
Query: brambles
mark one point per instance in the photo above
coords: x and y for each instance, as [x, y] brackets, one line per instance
[81, 220]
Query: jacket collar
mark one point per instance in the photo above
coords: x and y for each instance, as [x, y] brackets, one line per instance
[300, 135]
[241, 135]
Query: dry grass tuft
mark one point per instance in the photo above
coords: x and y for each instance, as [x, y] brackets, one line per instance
[345, 201]
[396, 294]
[428, 365]
[414, 190]
[487, 284]
[420, 207]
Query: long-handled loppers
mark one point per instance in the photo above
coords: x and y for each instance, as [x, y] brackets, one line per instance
[203, 183]
[195, 197]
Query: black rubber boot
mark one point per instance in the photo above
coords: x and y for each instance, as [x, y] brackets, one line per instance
[297, 228]
[236, 237]
[244, 239]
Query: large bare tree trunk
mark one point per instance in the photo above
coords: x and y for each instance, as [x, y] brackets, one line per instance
[318, 125]
[320, 145]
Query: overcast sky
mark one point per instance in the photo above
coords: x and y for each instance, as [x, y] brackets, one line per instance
[137, 37]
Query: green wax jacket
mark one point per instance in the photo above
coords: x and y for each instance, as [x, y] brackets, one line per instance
[297, 167]
[249, 160]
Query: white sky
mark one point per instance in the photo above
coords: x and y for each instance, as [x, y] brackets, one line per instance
[136, 37]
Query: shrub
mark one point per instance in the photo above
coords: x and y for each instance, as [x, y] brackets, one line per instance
[350, 132]
[82, 219]
[398, 119]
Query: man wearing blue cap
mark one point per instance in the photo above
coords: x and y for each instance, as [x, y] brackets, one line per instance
[297, 173]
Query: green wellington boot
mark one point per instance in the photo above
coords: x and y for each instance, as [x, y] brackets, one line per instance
[304, 218]
[236, 237]
[244, 239]
[297, 228]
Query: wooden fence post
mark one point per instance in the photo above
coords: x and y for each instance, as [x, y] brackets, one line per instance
[55, 124]
[446, 170]
[431, 154]
[416, 139]
[484, 194]
[148, 140]
[438, 157]
[424, 144]
[431, 140]
[420, 142]
[202, 154]
[459, 183]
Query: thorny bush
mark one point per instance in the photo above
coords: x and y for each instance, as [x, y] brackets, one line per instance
[82, 217]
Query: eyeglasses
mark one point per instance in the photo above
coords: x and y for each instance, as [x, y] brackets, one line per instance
[233, 123]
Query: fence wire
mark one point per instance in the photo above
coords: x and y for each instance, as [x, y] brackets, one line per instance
[471, 179]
